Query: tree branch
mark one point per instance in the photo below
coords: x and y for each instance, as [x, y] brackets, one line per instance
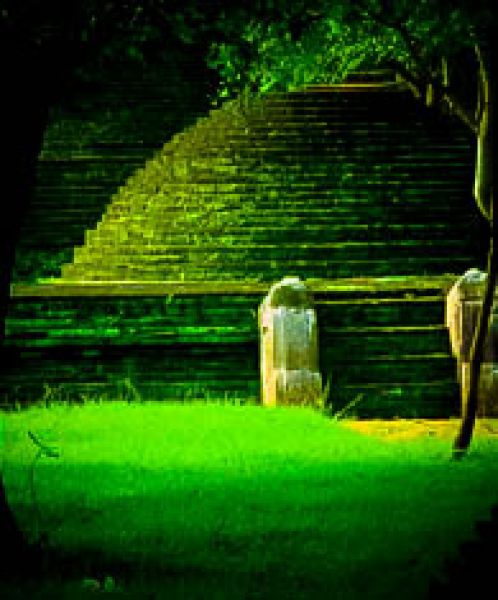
[459, 110]
[482, 85]
[420, 82]
[417, 87]
[408, 78]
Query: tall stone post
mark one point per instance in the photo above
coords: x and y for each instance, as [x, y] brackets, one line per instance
[289, 346]
[462, 310]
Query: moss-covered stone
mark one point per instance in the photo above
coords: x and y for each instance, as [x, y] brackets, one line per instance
[291, 292]
[320, 185]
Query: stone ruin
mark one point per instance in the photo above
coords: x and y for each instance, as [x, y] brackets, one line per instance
[462, 311]
[289, 346]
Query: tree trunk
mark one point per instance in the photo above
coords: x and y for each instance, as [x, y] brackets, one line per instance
[484, 195]
[470, 394]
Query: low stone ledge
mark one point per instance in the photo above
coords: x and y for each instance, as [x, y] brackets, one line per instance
[65, 288]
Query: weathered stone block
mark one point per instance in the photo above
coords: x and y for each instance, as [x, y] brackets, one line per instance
[289, 346]
[462, 311]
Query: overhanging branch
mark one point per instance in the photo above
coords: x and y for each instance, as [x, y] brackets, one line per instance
[423, 75]
[482, 84]
[459, 110]
[413, 83]
[417, 86]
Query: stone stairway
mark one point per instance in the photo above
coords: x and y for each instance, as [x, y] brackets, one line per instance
[337, 183]
[383, 339]
[354, 188]
[92, 144]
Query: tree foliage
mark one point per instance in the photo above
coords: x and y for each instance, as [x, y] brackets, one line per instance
[305, 43]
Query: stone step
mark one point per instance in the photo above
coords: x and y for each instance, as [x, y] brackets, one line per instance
[307, 128]
[431, 400]
[264, 270]
[389, 346]
[236, 213]
[341, 251]
[340, 232]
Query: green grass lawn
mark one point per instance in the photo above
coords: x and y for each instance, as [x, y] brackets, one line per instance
[221, 501]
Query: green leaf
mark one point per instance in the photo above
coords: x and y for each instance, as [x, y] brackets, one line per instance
[134, 52]
[334, 26]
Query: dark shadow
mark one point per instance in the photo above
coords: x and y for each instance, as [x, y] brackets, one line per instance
[472, 573]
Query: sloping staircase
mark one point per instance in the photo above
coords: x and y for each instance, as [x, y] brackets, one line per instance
[383, 339]
[335, 183]
[354, 188]
[92, 144]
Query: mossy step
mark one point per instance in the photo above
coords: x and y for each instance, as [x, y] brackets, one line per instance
[188, 219]
[327, 144]
[104, 371]
[404, 369]
[181, 220]
[69, 235]
[231, 247]
[231, 255]
[176, 262]
[353, 232]
[421, 310]
[90, 166]
[254, 256]
[223, 367]
[439, 399]
[421, 233]
[69, 198]
[266, 272]
[70, 189]
[381, 343]
[282, 195]
[322, 288]
[343, 296]
[114, 336]
[258, 215]
[284, 118]
[68, 213]
[274, 203]
[365, 348]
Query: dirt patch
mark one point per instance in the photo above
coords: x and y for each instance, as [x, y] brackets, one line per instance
[397, 429]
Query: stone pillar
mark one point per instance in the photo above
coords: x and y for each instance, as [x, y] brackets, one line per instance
[462, 310]
[289, 346]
